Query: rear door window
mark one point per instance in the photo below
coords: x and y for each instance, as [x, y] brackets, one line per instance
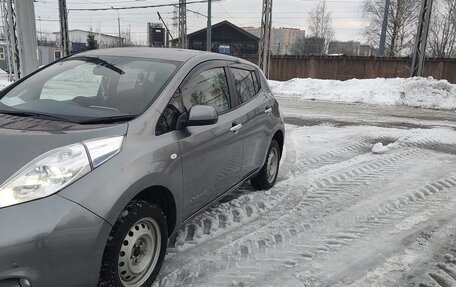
[246, 84]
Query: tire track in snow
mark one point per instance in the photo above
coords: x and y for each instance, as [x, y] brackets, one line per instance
[277, 232]
[355, 147]
[307, 248]
[217, 220]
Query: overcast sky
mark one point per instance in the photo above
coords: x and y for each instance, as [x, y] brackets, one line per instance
[347, 16]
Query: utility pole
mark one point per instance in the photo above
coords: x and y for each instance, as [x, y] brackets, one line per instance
[265, 37]
[419, 55]
[209, 26]
[168, 33]
[26, 37]
[64, 38]
[183, 24]
[384, 29]
[118, 24]
[13, 49]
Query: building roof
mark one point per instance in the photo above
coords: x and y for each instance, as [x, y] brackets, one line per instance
[223, 23]
[228, 23]
[95, 33]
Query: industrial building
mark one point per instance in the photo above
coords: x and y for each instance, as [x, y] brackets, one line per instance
[227, 38]
[350, 48]
[284, 40]
[78, 37]
[156, 35]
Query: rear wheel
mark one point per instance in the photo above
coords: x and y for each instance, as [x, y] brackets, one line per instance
[136, 247]
[267, 176]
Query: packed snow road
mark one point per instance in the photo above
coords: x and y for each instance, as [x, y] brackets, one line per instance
[341, 214]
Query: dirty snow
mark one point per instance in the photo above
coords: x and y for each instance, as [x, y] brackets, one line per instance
[413, 92]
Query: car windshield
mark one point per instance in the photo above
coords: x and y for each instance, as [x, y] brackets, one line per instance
[90, 89]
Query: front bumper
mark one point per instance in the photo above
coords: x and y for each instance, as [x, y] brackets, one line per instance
[51, 242]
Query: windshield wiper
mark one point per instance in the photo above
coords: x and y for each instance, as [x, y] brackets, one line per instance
[27, 114]
[107, 120]
[100, 62]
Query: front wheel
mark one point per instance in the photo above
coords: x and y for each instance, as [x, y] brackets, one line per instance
[136, 247]
[267, 176]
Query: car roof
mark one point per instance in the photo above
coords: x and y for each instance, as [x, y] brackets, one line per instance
[170, 54]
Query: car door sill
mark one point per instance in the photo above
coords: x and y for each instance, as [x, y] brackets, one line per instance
[236, 186]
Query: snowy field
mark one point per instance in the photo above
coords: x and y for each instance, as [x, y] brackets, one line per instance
[366, 197]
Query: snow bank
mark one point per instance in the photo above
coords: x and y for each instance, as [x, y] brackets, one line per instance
[414, 92]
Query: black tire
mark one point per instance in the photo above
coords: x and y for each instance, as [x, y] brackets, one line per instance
[134, 215]
[263, 180]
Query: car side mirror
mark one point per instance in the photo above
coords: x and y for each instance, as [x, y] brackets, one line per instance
[201, 116]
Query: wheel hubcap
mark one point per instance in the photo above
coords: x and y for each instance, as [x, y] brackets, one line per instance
[139, 252]
[273, 164]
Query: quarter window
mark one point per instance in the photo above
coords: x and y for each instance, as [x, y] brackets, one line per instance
[246, 84]
[210, 88]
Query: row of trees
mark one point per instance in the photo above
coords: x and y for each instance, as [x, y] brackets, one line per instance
[402, 26]
[403, 19]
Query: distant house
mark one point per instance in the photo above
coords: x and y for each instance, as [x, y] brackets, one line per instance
[284, 40]
[227, 38]
[351, 48]
[367, 51]
[4, 64]
[78, 39]
[46, 55]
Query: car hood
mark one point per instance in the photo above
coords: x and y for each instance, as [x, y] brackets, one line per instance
[24, 139]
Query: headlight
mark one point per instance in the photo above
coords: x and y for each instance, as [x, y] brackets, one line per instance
[101, 150]
[56, 169]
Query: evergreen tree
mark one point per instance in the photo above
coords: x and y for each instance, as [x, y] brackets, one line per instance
[92, 44]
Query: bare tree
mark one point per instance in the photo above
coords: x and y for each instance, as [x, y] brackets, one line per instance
[320, 24]
[402, 24]
[442, 34]
[298, 47]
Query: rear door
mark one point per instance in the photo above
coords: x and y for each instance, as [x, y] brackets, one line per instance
[256, 105]
[211, 155]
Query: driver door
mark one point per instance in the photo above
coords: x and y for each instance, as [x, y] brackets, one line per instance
[211, 155]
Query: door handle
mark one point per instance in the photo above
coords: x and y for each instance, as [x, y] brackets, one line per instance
[268, 110]
[236, 128]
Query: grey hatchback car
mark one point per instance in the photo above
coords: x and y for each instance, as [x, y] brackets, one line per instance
[105, 154]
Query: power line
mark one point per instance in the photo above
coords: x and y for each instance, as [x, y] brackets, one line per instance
[134, 7]
[228, 14]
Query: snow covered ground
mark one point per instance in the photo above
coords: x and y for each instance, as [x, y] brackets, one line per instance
[366, 197]
[414, 92]
[341, 215]
[3, 79]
